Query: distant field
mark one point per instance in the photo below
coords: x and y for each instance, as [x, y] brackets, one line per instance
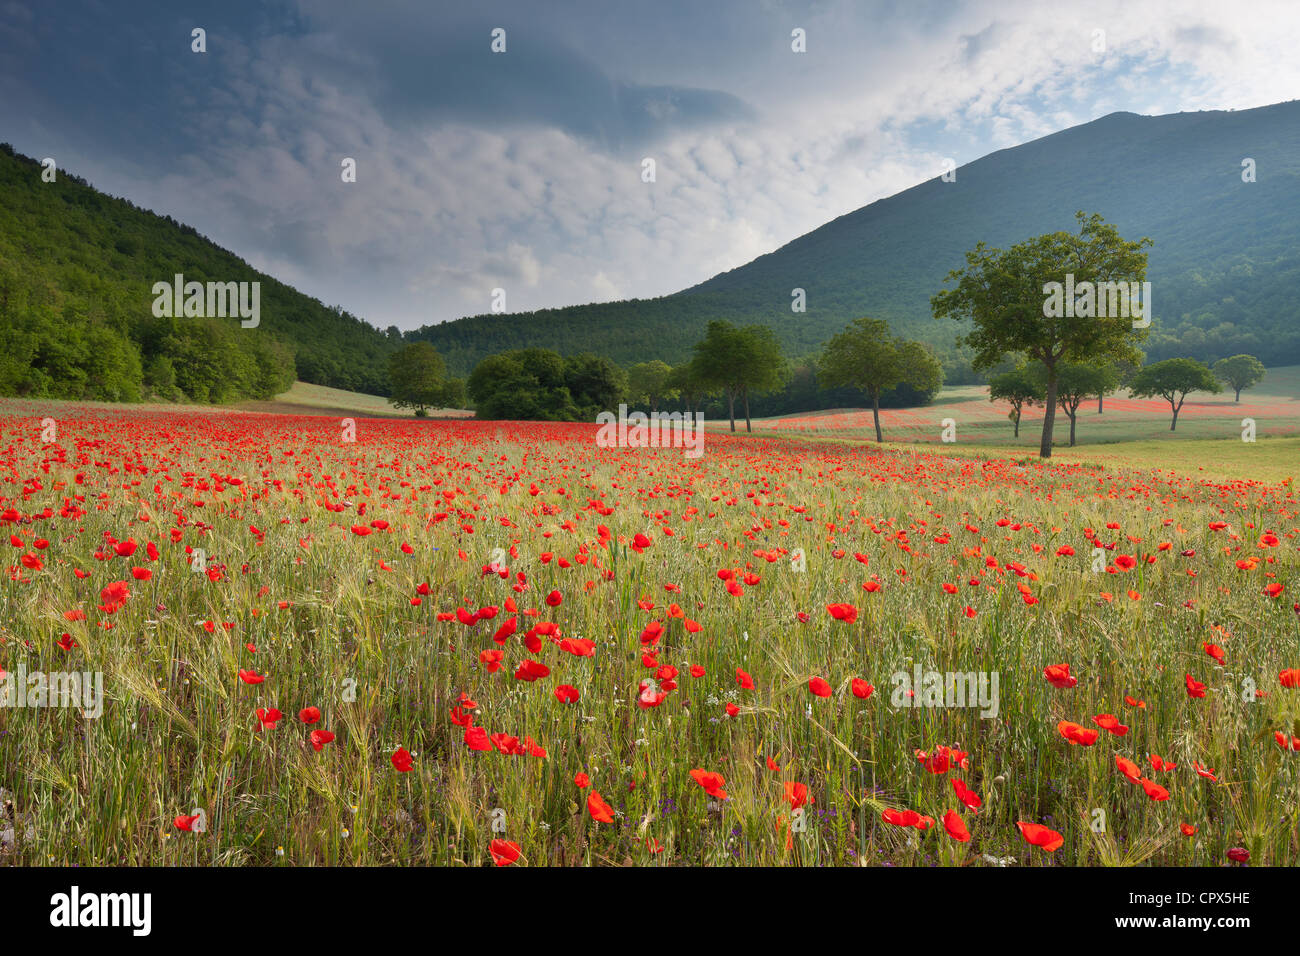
[306, 399]
[1133, 432]
[301, 399]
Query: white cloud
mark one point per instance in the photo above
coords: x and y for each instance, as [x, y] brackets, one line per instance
[443, 210]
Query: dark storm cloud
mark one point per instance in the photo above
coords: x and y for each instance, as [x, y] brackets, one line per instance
[420, 67]
[123, 73]
[524, 168]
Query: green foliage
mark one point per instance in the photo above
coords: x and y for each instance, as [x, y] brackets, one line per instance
[866, 356]
[685, 380]
[1172, 380]
[1078, 381]
[1239, 372]
[538, 384]
[1003, 294]
[1021, 389]
[77, 270]
[649, 383]
[419, 381]
[739, 362]
[595, 383]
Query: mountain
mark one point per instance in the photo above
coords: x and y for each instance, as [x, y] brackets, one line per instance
[77, 269]
[1224, 267]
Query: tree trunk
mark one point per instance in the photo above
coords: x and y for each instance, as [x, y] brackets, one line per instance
[875, 414]
[1174, 423]
[748, 425]
[1017, 423]
[1099, 398]
[1073, 415]
[731, 407]
[1238, 398]
[1049, 415]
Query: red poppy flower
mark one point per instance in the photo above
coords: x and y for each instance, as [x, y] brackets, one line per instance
[711, 782]
[1128, 768]
[952, 822]
[848, 613]
[504, 853]
[1058, 675]
[797, 795]
[600, 811]
[1040, 836]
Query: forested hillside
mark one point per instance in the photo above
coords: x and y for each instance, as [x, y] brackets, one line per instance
[1224, 266]
[76, 272]
[77, 268]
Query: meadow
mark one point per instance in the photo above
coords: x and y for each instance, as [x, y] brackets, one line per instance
[1272, 405]
[468, 643]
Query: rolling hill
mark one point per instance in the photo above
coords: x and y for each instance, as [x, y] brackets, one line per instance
[77, 267]
[76, 272]
[1224, 267]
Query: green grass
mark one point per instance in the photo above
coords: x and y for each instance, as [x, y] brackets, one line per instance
[1208, 441]
[327, 609]
[309, 399]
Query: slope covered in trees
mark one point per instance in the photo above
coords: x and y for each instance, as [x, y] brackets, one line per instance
[77, 268]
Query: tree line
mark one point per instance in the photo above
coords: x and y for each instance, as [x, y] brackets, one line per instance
[730, 369]
[1063, 357]
[76, 272]
[1056, 359]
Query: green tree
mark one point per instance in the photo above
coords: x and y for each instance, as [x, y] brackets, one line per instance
[595, 384]
[417, 377]
[1125, 368]
[1079, 381]
[112, 365]
[1172, 380]
[1005, 294]
[866, 356]
[538, 384]
[689, 385]
[739, 362]
[160, 378]
[649, 383]
[1020, 389]
[502, 387]
[453, 395]
[1239, 372]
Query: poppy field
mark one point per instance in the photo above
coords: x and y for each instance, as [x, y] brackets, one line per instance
[474, 643]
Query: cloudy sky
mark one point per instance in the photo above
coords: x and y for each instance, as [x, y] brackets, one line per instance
[523, 170]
